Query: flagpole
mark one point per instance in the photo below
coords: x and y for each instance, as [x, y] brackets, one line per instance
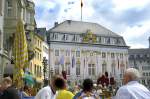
[81, 9]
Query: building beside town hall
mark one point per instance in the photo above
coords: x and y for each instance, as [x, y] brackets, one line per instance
[140, 59]
[10, 12]
[2, 56]
[85, 49]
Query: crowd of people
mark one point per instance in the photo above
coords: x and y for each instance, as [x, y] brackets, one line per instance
[58, 89]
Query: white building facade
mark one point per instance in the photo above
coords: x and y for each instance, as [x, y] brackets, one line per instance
[140, 59]
[11, 11]
[86, 50]
[1, 37]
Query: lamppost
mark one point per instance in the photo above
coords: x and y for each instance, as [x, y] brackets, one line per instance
[45, 70]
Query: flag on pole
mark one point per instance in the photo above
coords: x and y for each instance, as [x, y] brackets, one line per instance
[84, 62]
[73, 61]
[118, 64]
[20, 53]
[62, 60]
[81, 4]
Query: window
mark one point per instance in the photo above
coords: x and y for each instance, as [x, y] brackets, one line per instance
[121, 55]
[31, 67]
[37, 72]
[0, 39]
[91, 69]
[112, 55]
[55, 36]
[56, 52]
[28, 17]
[40, 57]
[67, 53]
[77, 53]
[146, 74]
[1, 7]
[118, 41]
[103, 40]
[103, 55]
[56, 68]
[65, 37]
[40, 44]
[122, 71]
[68, 69]
[149, 73]
[99, 39]
[31, 18]
[113, 69]
[143, 74]
[40, 71]
[76, 38]
[104, 68]
[108, 40]
[35, 69]
[9, 8]
[77, 69]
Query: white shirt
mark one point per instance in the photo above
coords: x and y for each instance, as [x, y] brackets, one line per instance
[45, 93]
[133, 90]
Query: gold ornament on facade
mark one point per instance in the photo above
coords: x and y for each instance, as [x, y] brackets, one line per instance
[89, 37]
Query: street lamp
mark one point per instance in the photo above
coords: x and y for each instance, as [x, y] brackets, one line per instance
[45, 70]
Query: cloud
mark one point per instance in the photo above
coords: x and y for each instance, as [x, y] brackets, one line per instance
[129, 18]
[47, 11]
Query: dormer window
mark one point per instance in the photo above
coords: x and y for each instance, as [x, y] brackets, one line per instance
[108, 40]
[55, 36]
[76, 38]
[65, 37]
[118, 41]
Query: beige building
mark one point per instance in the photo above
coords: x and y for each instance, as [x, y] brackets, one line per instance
[2, 56]
[36, 66]
[14, 10]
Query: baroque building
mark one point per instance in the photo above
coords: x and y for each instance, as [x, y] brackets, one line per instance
[85, 49]
[14, 10]
[2, 56]
[140, 59]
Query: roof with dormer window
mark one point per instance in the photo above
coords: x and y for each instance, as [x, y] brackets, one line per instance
[72, 27]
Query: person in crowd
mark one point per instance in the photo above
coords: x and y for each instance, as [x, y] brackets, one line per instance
[48, 92]
[9, 92]
[60, 83]
[25, 92]
[76, 89]
[1, 91]
[132, 88]
[87, 91]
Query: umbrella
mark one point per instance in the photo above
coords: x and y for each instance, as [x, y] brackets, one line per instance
[28, 78]
[20, 53]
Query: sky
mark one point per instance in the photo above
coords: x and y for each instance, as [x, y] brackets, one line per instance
[128, 18]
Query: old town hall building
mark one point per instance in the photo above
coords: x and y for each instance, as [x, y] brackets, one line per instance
[85, 49]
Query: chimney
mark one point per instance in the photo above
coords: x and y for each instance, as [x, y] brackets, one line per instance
[69, 21]
[55, 24]
[149, 42]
